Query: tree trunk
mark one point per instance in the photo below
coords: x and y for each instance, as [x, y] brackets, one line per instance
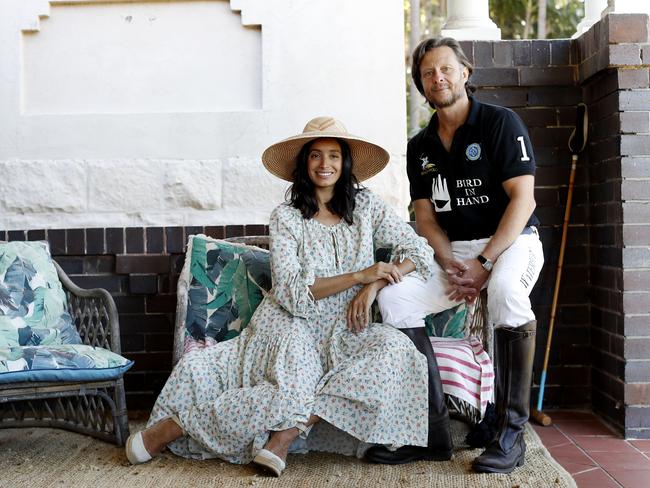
[541, 19]
[414, 95]
[529, 14]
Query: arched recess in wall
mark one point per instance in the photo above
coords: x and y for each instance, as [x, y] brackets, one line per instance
[148, 56]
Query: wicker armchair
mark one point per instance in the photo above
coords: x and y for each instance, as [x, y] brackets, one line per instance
[97, 408]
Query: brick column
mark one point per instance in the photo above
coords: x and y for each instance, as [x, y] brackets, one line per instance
[634, 106]
[614, 72]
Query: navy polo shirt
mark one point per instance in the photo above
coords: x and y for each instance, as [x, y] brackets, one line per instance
[465, 184]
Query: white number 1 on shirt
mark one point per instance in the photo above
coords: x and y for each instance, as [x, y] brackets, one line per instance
[524, 156]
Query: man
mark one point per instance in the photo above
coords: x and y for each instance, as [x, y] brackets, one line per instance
[471, 173]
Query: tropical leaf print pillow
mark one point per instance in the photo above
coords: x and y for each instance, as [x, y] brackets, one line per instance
[448, 323]
[33, 305]
[225, 284]
[74, 362]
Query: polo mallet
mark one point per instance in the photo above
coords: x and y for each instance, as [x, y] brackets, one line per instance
[577, 142]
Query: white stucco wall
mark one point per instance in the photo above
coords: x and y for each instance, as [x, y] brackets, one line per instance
[121, 113]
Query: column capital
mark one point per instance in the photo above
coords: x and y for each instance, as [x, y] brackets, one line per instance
[470, 20]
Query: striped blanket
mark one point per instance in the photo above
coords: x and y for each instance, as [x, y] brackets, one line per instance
[465, 369]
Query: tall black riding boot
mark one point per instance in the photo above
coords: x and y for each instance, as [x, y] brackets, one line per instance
[439, 445]
[515, 350]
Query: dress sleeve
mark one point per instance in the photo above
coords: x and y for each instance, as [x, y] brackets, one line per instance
[291, 276]
[389, 230]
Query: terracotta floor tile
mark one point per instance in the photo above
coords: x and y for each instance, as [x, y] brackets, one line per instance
[570, 415]
[595, 456]
[574, 469]
[603, 444]
[572, 458]
[551, 437]
[595, 478]
[587, 427]
[632, 478]
[610, 461]
[642, 445]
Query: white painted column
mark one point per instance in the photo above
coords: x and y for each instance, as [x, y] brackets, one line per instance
[470, 20]
[593, 12]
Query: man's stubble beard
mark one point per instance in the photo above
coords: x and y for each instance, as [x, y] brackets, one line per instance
[453, 98]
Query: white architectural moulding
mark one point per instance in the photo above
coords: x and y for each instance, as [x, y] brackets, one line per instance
[77, 152]
[470, 20]
[163, 58]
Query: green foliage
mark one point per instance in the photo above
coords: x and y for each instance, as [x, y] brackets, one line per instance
[563, 18]
[517, 19]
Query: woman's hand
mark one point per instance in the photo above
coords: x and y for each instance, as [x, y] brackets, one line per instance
[387, 271]
[359, 308]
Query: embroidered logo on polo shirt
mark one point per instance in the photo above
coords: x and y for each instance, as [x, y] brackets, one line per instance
[440, 195]
[426, 166]
[473, 151]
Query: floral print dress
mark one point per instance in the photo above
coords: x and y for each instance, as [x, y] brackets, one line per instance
[297, 357]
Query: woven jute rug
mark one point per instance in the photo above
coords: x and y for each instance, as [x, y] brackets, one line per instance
[52, 458]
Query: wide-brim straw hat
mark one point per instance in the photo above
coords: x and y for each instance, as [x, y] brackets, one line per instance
[368, 159]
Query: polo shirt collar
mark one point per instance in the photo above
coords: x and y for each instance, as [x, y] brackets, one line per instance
[472, 118]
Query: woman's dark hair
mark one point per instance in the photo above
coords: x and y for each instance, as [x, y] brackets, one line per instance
[427, 45]
[302, 194]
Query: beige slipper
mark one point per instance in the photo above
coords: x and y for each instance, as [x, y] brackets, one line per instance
[136, 453]
[135, 450]
[269, 462]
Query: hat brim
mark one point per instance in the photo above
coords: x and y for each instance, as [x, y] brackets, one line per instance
[368, 159]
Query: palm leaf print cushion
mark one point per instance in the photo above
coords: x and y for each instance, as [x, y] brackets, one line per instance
[448, 323]
[33, 305]
[66, 362]
[224, 283]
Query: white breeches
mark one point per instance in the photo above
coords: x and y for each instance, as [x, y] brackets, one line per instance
[406, 304]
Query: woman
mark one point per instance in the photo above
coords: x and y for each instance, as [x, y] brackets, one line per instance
[310, 352]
